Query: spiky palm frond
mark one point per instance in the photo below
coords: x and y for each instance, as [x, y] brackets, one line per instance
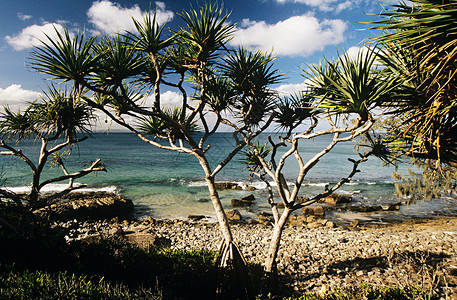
[56, 114]
[350, 85]
[120, 102]
[253, 110]
[251, 159]
[207, 31]
[151, 126]
[381, 146]
[219, 94]
[421, 49]
[251, 72]
[155, 125]
[150, 38]
[118, 61]
[17, 125]
[59, 113]
[68, 57]
[293, 110]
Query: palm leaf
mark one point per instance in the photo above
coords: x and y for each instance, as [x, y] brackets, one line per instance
[69, 58]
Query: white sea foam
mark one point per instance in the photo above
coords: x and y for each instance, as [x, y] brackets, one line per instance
[196, 183]
[52, 188]
[258, 185]
[319, 184]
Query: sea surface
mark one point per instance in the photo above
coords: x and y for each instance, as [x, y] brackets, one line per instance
[165, 184]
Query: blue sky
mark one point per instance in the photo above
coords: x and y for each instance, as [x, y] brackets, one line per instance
[299, 32]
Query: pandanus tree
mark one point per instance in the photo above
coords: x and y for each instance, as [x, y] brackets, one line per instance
[59, 123]
[342, 93]
[117, 73]
[419, 46]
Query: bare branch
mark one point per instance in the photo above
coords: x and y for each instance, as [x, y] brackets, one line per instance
[344, 180]
[94, 167]
[18, 153]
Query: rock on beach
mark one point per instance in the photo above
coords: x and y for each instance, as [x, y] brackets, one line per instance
[88, 206]
[310, 258]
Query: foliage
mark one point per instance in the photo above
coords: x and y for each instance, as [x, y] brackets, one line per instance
[350, 85]
[111, 267]
[122, 76]
[55, 121]
[418, 47]
[293, 110]
[153, 125]
[44, 285]
[429, 181]
[250, 156]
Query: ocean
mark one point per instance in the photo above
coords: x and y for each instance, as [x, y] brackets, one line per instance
[166, 185]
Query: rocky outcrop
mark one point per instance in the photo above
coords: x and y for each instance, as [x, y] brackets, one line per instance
[309, 222]
[313, 210]
[243, 202]
[88, 206]
[233, 215]
[227, 186]
[336, 199]
[372, 208]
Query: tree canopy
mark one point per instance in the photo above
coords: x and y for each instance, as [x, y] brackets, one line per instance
[418, 47]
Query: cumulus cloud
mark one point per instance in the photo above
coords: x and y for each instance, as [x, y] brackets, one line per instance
[15, 96]
[296, 36]
[289, 89]
[110, 17]
[170, 98]
[167, 99]
[23, 17]
[31, 36]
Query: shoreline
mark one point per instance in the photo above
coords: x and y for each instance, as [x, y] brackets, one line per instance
[314, 259]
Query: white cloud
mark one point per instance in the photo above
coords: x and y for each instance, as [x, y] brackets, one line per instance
[296, 36]
[167, 99]
[170, 98]
[23, 17]
[15, 96]
[354, 51]
[289, 89]
[110, 17]
[31, 36]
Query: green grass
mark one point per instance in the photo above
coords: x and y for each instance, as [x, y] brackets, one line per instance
[44, 285]
[40, 261]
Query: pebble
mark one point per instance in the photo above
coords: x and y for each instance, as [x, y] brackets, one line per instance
[310, 258]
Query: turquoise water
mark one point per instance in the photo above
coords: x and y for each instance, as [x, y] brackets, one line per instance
[166, 184]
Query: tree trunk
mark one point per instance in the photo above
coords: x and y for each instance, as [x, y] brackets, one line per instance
[270, 265]
[220, 213]
[235, 281]
[215, 200]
